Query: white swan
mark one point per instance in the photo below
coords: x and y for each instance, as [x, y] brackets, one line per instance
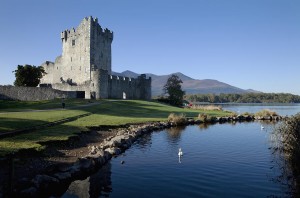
[180, 153]
[262, 127]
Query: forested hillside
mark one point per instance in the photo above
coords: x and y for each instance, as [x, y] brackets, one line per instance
[245, 98]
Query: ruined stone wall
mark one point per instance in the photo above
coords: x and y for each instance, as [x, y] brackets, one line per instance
[33, 93]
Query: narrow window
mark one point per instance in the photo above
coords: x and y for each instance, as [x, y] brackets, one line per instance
[73, 42]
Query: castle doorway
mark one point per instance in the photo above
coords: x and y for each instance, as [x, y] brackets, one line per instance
[124, 95]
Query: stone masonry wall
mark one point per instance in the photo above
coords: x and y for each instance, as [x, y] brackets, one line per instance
[131, 88]
[84, 49]
[85, 66]
[32, 93]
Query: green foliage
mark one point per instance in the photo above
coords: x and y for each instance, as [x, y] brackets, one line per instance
[28, 75]
[286, 143]
[173, 89]
[245, 98]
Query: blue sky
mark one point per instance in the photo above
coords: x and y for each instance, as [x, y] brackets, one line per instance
[246, 43]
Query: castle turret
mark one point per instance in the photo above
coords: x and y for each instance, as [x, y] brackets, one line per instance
[85, 65]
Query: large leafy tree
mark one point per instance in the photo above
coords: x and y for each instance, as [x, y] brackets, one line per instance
[173, 89]
[28, 75]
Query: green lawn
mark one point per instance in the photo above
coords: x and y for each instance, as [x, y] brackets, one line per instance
[107, 112]
[38, 105]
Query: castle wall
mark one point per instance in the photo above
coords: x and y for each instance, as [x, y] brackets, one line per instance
[33, 93]
[139, 88]
[75, 63]
[100, 47]
[85, 65]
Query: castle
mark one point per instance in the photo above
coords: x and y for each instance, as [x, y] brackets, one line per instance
[85, 66]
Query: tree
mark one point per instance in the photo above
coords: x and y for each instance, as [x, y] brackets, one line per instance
[28, 75]
[173, 89]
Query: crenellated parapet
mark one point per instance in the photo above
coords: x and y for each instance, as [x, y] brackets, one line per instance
[85, 65]
[88, 23]
[132, 88]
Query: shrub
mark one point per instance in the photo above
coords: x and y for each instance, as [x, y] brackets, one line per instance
[286, 142]
[266, 112]
[202, 117]
[247, 114]
[177, 119]
[233, 114]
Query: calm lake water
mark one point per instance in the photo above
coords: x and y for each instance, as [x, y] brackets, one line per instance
[221, 160]
[281, 109]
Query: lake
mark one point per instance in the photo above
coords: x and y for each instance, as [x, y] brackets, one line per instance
[220, 160]
[281, 109]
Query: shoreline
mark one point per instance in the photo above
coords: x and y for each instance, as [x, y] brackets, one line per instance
[79, 162]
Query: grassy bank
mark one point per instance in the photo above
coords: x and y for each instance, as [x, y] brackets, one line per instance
[106, 112]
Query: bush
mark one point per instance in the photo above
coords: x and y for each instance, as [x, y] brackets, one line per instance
[233, 114]
[177, 119]
[286, 142]
[266, 112]
[247, 114]
[202, 117]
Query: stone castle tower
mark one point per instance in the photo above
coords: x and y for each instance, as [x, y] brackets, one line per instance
[85, 66]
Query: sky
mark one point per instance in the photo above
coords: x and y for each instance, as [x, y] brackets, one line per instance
[250, 44]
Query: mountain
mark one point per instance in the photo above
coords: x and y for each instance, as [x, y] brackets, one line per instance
[189, 85]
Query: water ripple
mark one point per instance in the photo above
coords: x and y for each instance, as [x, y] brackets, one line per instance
[222, 161]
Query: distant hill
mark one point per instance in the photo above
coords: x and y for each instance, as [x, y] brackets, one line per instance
[190, 85]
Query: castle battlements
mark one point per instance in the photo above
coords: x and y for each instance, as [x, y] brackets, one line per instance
[85, 66]
[88, 23]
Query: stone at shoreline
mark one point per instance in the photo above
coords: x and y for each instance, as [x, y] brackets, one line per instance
[113, 150]
[63, 176]
[102, 153]
[44, 182]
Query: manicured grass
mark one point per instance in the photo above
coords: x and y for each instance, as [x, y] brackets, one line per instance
[20, 120]
[107, 112]
[10, 106]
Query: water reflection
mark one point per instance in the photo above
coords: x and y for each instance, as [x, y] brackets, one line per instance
[204, 126]
[174, 133]
[144, 142]
[226, 161]
[96, 185]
